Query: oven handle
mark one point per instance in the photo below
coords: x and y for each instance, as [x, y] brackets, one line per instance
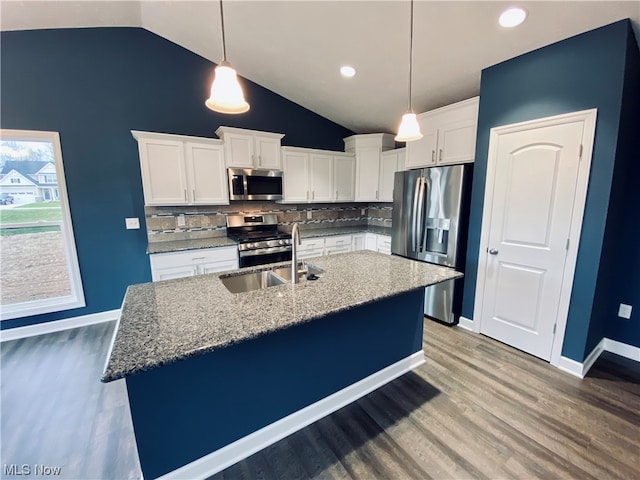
[264, 251]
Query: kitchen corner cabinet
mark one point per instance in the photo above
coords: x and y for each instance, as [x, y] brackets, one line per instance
[391, 161]
[368, 149]
[166, 266]
[251, 148]
[448, 136]
[181, 170]
[316, 175]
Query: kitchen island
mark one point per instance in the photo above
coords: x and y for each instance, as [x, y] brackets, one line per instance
[214, 376]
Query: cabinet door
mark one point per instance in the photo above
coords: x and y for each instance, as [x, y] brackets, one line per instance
[163, 172]
[457, 142]
[371, 240]
[238, 150]
[388, 168]
[212, 266]
[367, 172]
[402, 159]
[422, 153]
[296, 177]
[267, 153]
[321, 177]
[207, 174]
[383, 244]
[173, 272]
[344, 171]
[357, 242]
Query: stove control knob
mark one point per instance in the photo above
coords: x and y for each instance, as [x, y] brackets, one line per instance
[250, 245]
[281, 242]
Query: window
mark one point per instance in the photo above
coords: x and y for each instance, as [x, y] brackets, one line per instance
[39, 270]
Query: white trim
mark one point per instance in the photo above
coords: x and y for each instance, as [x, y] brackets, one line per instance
[624, 350]
[234, 452]
[467, 324]
[605, 345]
[58, 325]
[588, 117]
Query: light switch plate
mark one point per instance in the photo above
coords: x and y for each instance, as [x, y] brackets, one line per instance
[181, 222]
[624, 311]
[132, 223]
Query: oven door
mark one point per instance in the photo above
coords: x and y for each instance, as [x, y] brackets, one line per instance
[251, 258]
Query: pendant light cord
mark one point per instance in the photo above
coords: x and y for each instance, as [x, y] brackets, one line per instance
[224, 48]
[410, 52]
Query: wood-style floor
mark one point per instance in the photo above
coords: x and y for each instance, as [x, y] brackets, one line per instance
[476, 409]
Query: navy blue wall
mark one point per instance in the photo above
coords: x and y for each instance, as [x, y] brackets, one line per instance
[94, 86]
[582, 72]
[621, 252]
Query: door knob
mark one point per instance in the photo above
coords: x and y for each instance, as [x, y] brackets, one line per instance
[493, 251]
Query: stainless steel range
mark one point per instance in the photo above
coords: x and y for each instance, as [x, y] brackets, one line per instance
[259, 239]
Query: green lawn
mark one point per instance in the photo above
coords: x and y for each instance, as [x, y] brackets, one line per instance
[6, 232]
[16, 215]
[40, 205]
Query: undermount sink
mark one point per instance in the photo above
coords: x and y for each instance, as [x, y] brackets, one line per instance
[247, 282]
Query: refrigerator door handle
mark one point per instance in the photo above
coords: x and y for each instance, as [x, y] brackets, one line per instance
[414, 216]
[419, 216]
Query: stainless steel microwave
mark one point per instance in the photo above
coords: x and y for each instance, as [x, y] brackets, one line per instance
[253, 184]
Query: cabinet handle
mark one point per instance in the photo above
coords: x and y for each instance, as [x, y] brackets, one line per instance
[307, 195]
[260, 160]
[193, 259]
[336, 194]
[376, 194]
[253, 158]
[194, 194]
[313, 194]
[185, 195]
[440, 158]
[433, 156]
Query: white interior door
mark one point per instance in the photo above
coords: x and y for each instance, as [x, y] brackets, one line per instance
[534, 199]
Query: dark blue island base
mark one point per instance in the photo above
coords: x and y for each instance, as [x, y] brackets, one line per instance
[197, 416]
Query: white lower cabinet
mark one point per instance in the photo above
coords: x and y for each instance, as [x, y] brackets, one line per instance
[337, 244]
[165, 266]
[370, 241]
[311, 248]
[357, 241]
[383, 244]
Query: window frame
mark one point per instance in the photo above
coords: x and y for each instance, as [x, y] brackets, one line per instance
[76, 298]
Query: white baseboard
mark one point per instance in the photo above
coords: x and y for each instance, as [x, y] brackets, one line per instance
[234, 452]
[605, 345]
[622, 349]
[58, 325]
[467, 324]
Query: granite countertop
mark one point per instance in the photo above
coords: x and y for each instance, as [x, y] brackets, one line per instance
[181, 245]
[213, 242]
[166, 321]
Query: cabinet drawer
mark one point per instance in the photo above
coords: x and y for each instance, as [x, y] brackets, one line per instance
[193, 257]
[311, 244]
[383, 244]
[337, 241]
[340, 249]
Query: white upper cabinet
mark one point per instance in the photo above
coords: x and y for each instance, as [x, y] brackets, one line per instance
[391, 161]
[317, 176]
[181, 170]
[295, 184]
[344, 172]
[321, 177]
[368, 149]
[449, 136]
[251, 148]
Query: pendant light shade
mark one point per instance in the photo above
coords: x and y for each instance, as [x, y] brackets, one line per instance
[409, 129]
[226, 93]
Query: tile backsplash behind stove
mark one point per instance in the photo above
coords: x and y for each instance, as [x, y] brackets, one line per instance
[193, 222]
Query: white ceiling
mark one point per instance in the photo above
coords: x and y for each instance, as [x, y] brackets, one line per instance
[295, 48]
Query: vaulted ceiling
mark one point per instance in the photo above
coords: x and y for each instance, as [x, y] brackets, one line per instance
[295, 48]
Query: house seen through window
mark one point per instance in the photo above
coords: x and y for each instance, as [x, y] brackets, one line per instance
[39, 270]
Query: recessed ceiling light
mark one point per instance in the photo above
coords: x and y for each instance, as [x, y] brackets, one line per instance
[347, 71]
[512, 17]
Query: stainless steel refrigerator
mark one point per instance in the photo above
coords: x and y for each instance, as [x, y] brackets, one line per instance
[430, 224]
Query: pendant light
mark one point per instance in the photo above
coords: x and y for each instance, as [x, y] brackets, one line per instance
[226, 92]
[409, 129]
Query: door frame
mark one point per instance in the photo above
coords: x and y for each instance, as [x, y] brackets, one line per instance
[579, 201]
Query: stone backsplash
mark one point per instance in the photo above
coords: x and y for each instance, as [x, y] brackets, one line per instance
[164, 223]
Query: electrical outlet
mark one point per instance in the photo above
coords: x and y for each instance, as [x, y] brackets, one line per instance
[362, 212]
[132, 223]
[624, 311]
[308, 214]
[181, 222]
